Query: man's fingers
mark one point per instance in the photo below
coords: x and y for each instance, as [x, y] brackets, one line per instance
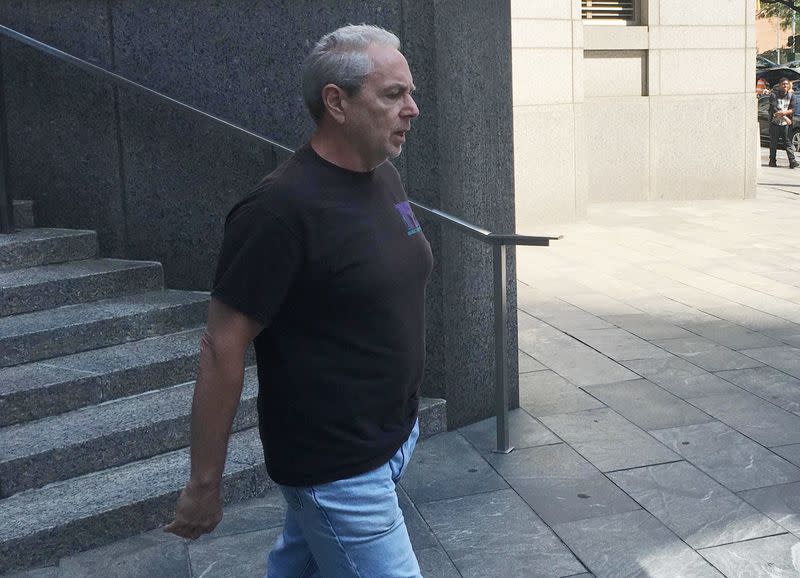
[190, 531]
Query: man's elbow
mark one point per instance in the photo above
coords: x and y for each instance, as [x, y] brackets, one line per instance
[218, 351]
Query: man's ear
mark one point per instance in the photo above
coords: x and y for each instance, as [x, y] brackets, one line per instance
[332, 97]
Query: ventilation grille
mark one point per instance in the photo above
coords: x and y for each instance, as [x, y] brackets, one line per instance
[607, 9]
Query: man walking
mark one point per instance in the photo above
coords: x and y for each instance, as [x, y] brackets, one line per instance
[782, 106]
[322, 270]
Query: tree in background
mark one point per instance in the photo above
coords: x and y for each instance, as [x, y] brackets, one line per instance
[784, 10]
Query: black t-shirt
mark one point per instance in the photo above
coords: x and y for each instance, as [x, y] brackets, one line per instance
[334, 264]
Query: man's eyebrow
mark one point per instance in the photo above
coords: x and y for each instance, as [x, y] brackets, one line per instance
[401, 86]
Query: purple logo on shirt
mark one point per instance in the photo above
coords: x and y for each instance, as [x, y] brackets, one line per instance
[408, 217]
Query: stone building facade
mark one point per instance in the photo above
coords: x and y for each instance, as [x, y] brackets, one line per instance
[656, 104]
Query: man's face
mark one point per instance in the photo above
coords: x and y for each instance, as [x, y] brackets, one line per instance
[379, 116]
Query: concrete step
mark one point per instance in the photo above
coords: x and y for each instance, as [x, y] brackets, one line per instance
[48, 286]
[37, 390]
[103, 436]
[73, 328]
[33, 247]
[39, 526]
[23, 214]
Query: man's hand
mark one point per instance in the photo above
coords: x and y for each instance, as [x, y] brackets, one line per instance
[198, 512]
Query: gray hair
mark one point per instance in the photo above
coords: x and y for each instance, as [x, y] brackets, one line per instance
[340, 58]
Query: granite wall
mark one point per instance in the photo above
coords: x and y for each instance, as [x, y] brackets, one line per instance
[156, 182]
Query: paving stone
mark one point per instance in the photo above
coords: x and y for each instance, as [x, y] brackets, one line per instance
[608, 440]
[66, 330]
[632, 544]
[152, 554]
[418, 530]
[647, 405]
[527, 363]
[647, 326]
[598, 303]
[567, 356]
[776, 556]
[735, 461]
[618, 344]
[559, 484]
[707, 354]
[775, 386]
[48, 286]
[546, 393]
[787, 359]
[731, 335]
[681, 378]
[497, 534]
[790, 453]
[670, 310]
[699, 510]
[793, 340]
[445, 466]
[524, 431]
[756, 320]
[233, 556]
[781, 503]
[435, 563]
[754, 417]
[557, 313]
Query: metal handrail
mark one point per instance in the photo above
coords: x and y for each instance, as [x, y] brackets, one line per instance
[498, 241]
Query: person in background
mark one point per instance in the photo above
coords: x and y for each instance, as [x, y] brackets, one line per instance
[782, 106]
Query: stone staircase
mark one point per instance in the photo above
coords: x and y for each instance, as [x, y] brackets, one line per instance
[96, 366]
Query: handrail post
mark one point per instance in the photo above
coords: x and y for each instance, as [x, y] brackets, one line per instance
[500, 356]
[6, 201]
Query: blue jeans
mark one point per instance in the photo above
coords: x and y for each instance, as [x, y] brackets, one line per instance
[347, 528]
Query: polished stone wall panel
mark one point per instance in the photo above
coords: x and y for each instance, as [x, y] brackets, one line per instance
[420, 160]
[63, 148]
[239, 60]
[80, 28]
[476, 184]
[182, 176]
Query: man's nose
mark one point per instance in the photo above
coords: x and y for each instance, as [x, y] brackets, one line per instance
[410, 109]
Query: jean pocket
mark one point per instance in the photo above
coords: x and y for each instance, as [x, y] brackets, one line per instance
[292, 497]
[399, 463]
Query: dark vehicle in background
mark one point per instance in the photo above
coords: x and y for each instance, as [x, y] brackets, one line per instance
[763, 123]
[771, 76]
[763, 63]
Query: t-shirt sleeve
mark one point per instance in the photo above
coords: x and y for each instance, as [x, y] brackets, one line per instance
[259, 260]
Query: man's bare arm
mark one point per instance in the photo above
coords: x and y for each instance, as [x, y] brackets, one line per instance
[216, 397]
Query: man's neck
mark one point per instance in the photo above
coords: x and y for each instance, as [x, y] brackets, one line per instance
[335, 148]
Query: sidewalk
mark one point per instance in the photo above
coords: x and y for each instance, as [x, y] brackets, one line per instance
[659, 433]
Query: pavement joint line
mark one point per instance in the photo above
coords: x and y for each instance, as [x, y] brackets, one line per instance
[784, 533]
[640, 467]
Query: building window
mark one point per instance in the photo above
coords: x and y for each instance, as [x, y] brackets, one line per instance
[608, 10]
